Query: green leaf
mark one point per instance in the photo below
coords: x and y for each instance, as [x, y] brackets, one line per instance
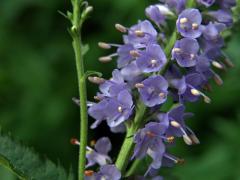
[26, 164]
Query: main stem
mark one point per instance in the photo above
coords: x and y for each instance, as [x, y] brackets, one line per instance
[77, 46]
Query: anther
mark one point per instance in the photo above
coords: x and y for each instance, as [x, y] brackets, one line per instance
[121, 28]
[192, 56]
[183, 20]
[187, 139]
[96, 80]
[134, 53]
[150, 134]
[105, 59]
[228, 62]
[139, 33]
[195, 92]
[180, 161]
[120, 109]
[217, 79]
[97, 98]
[92, 143]
[175, 124]
[162, 95]
[88, 173]
[104, 45]
[176, 50]
[74, 141]
[194, 139]
[153, 61]
[170, 139]
[194, 26]
[217, 65]
[139, 85]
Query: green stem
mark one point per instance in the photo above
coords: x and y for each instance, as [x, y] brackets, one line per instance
[133, 167]
[78, 48]
[128, 144]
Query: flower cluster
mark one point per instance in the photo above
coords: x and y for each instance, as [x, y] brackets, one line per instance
[155, 67]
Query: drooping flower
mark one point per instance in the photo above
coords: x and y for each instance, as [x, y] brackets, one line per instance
[185, 52]
[152, 60]
[222, 16]
[177, 5]
[189, 23]
[153, 90]
[212, 31]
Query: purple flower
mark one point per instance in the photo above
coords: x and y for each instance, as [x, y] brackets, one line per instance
[152, 60]
[112, 87]
[189, 22]
[178, 5]
[141, 34]
[99, 155]
[153, 90]
[212, 31]
[106, 172]
[149, 140]
[222, 16]
[227, 4]
[185, 52]
[154, 13]
[124, 56]
[206, 3]
[119, 109]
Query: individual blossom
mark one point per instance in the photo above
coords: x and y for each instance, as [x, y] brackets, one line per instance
[206, 3]
[189, 23]
[222, 16]
[124, 55]
[152, 60]
[106, 172]
[175, 120]
[153, 12]
[185, 52]
[141, 34]
[211, 32]
[177, 5]
[149, 140]
[153, 90]
[227, 4]
[99, 155]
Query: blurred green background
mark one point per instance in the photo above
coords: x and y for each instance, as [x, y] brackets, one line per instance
[38, 80]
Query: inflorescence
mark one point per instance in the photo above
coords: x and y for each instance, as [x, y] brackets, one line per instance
[148, 74]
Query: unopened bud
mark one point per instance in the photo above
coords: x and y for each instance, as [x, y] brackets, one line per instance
[88, 9]
[104, 45]
[105, 59]
[76, 101]
[96, 80]
[121, 28]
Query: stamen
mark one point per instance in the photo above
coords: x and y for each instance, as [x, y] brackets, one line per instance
[175, 124]
[104, 45]
[183, 20]
[139, 85]
[170, 139]
[121, 28]
[217, 79]
[139, 33]
[174, 159]
[192, 56]
[194, 139]
[96, 80]
[228, 62]
[162, 95]
[98, 98]
[176, 50]
[92, 143]
[196, 92]
[74, 141]
[105, 59]
[134, 53]
[150, 134]
[187, 139]
[153, 62]
[180, 161]
[88, 173]
[120, 109]
[217, 65]
[194, 26]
